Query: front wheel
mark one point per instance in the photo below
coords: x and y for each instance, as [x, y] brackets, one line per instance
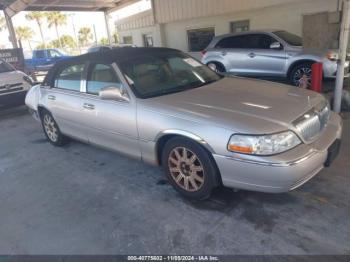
[51, 129]
[301, 73]
[217, 67]
[189, 168]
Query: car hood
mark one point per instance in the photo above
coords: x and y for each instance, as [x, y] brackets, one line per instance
[239, 104]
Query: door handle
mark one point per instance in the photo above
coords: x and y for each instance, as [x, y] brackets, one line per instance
[51, 97]
[251, 55]
[89, 106]
[224, 53]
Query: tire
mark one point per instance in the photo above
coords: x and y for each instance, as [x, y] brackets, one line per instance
[217, 67]
[194, 175]
[51, 129]
[298, 71]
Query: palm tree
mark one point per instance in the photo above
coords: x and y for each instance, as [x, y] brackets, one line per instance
[56, 19]
[2, 23]
[24, 33]
[85, 35]
[37, 17]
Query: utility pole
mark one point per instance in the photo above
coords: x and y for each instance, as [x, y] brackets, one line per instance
[343, 44]
[75, 32]
[107, 28]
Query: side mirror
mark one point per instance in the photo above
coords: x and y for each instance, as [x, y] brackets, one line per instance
[276, 45]
[113, 93]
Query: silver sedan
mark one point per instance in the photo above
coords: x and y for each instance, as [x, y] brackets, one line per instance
[163, 107]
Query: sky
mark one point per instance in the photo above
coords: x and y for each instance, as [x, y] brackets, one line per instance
[80, 19]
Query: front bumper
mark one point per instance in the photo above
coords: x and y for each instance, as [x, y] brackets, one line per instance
[282, 172]
[330, 69]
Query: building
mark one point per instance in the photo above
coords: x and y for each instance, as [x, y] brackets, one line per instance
[189, 25]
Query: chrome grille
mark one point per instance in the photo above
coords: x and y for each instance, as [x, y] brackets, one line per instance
[311, 124]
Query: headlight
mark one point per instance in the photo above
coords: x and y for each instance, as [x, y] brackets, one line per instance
[264, 144]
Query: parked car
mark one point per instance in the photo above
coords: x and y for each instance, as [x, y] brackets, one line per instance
[13, 85]
[166, 108]
[273, 53]
[44, 59]
[102, 48]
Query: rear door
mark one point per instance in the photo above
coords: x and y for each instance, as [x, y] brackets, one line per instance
[65, 100]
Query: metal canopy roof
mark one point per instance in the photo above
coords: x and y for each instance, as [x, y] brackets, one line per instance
[15, 6]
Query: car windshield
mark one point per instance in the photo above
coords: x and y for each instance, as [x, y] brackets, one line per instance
[5, 67]
[164, 73]
[291, 39]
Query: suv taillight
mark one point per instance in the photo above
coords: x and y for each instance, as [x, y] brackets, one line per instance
[203, 52]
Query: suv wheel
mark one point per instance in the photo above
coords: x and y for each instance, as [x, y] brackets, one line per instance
[189, 168]
[217, 67]
[51, 129]
[297, 73]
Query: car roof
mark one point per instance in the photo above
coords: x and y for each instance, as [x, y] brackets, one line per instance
[249, 32]
[108, 56]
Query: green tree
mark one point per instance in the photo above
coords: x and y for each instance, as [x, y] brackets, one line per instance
[56, 19]
[116, 37]
[37, 17]
[24, 33]
[66, 41]
[2, 23]
[85, 35]
[104, 41]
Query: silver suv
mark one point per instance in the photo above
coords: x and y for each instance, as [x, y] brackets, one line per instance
[274, 53]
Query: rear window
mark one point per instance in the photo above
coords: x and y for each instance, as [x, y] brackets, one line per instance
[5, 67]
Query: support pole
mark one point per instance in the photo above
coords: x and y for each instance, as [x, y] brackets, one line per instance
[11, 30]
[343, 44]
[107, 28]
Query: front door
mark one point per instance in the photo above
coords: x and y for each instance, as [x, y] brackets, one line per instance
[112, 123]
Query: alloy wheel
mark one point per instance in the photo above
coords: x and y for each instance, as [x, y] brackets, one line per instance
[186, 169]
[298, 76]
[50, 128]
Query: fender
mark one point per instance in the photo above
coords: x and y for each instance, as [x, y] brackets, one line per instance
[184, 134]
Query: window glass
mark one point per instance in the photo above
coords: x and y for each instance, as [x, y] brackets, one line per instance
[239, 26]
[54, 53]
[164, 73]
[251, 41]
[291, 39]
[127, 40]
[5, 67]
[101, 76]
[40, 54]
[70, 78]
[199, 39]
[148, 40]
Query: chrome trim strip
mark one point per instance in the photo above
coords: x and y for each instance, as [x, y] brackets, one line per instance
[274, 164]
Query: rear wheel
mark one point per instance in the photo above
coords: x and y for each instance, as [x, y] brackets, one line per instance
[51, 129]
[300, 73]
[189, 168]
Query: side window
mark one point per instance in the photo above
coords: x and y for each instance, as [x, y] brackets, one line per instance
[101, 76]
[70, 78]
[40, 54]
[260, 41]
[240, 41]
[54, 53]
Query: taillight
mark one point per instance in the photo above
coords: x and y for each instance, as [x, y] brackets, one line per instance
[203, 52]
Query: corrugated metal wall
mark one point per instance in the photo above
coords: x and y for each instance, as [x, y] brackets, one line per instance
[140, 20]
[174, 10]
